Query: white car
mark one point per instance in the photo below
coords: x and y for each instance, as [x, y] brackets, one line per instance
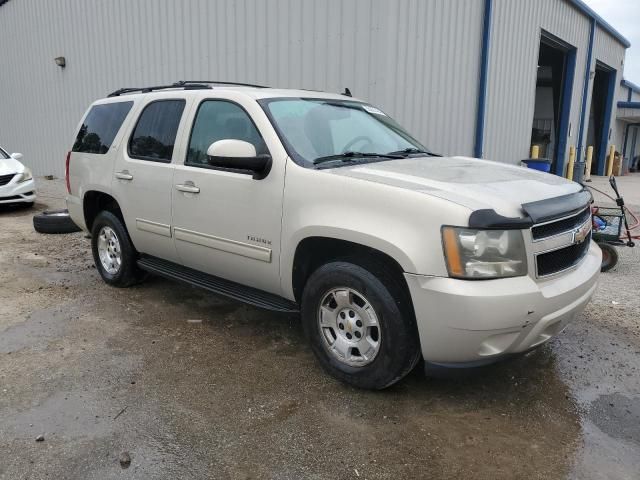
[16, 180]
[321, 204]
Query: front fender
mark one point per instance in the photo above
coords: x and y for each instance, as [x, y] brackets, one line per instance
[401, 223]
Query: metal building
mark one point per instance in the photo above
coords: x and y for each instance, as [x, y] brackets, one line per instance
[470, 77]
[628, 122]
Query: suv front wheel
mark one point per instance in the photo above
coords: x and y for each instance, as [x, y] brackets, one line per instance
[360, 325]
[113, 252]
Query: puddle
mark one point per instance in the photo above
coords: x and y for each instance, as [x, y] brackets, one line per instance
[601, 371]
[617, 416]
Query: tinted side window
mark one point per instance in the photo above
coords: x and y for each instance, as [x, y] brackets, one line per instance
[220, 120]
[156, 130]
[100, 127]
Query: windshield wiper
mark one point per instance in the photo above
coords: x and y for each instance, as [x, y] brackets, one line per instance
[413, 151]
[348, 156]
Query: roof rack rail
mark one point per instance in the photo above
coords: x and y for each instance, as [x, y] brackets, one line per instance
[216, 82]
[186, 86]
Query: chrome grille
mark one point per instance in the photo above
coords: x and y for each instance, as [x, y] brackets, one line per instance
[558, 261]
[560, 226]
[561, 244]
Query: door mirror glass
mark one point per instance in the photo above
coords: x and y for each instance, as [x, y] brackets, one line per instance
[16, 156]
[235, 154]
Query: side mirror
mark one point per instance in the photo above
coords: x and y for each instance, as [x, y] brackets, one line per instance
[16, 156]
[238, 155]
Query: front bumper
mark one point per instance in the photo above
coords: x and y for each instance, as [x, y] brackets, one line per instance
[463, 322]
[23, 192]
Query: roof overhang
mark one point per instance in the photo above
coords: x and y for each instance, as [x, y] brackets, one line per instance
[630, 85]
[602, 23]
[628, 112]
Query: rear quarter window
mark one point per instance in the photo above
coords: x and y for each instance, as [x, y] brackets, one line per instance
[100, 127]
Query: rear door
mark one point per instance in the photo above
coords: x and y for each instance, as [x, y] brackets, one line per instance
[143, 175]
[226, 223]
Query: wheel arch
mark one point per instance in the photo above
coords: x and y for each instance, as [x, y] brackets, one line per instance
[313, 251]
[95, 201]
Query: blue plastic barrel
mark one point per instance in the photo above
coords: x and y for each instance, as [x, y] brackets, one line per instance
[542, 164]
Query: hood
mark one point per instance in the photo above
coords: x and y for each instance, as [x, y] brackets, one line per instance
[9, 165]
[473, 183]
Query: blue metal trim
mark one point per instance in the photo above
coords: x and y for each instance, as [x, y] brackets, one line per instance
[630, 86]
[585, 90]
[628, 104]
[567, 94]
[482, 86]
[606, 125]
[601, 21]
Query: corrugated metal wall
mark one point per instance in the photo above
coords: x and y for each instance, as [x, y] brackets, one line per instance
[513, 71]
[416, 59]
[622, 93]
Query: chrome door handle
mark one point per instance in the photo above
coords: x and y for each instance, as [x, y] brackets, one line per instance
[188, 187]
[124, 175]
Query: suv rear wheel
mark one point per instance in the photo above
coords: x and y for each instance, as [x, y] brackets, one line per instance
[113, 252]
[359, 327]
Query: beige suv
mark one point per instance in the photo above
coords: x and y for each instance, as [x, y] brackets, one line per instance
[320, 203]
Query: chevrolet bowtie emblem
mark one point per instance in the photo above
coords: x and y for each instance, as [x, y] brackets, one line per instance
[580, 234]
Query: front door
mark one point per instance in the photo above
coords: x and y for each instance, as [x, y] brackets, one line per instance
[226, 223]
[143, 177]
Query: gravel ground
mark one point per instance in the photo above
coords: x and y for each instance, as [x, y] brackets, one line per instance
[190, 385]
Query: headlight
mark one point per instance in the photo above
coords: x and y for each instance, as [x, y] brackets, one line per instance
[478, 254]
[25, 175]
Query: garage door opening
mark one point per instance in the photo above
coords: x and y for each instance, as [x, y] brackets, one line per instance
[556, 68]
[600, 115]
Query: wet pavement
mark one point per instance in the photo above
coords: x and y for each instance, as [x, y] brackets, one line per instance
[192, 385]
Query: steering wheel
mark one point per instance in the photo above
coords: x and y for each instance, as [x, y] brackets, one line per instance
[361, 138]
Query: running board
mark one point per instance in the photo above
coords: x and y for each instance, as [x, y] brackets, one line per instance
[236, 291]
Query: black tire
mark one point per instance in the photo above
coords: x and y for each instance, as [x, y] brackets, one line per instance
[128, 273]
[399, 349]
[609, 257]
[54, 221]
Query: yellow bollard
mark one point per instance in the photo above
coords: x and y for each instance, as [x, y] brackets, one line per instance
[535, 151]
[587, 173]
[612, 153]
[572, 161]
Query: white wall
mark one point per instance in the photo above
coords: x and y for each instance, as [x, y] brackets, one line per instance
[418, 60]
[515, 45]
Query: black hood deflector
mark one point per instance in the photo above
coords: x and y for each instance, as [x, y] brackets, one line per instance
[535, 212]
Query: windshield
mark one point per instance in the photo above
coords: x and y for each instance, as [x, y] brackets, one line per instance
[3, 154]
[314, 130]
